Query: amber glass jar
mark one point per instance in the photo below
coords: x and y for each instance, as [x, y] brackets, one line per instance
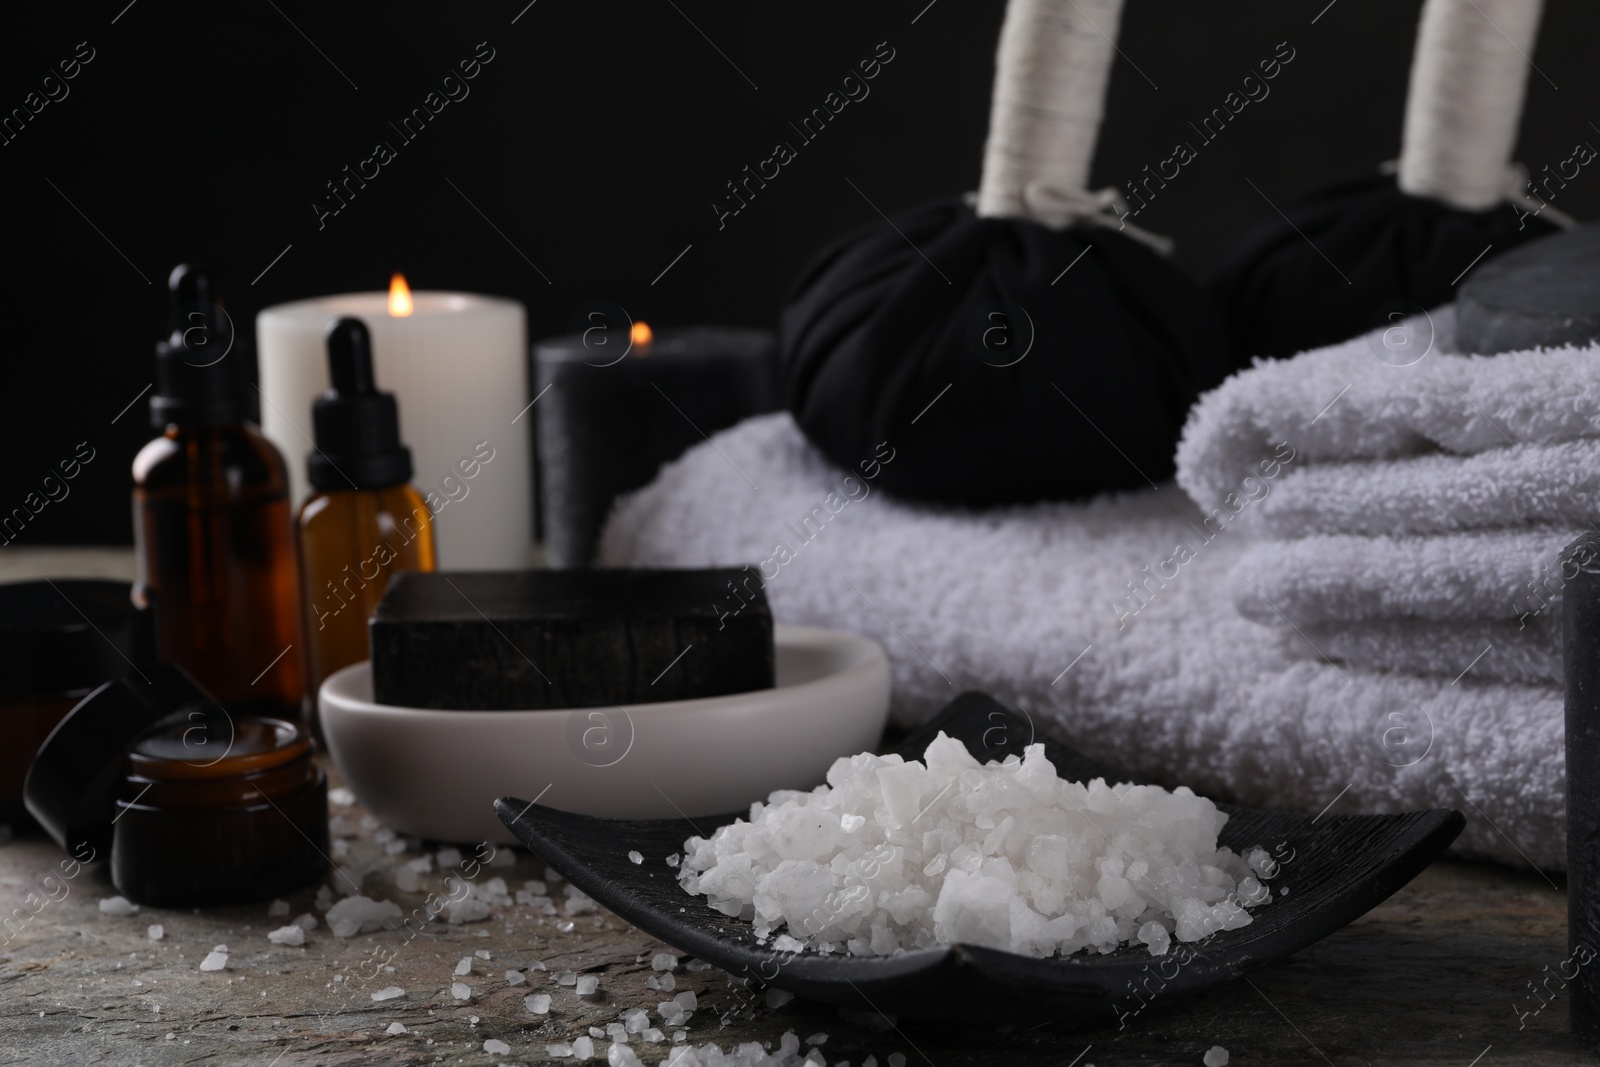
[219, 809]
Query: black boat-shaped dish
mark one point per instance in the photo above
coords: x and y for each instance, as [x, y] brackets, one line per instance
[1335, 868]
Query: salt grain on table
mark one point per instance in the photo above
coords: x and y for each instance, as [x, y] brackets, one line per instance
[156, 932]
[635, 858]
[663, 961]
[359, 915]
[465, 966]
[777, 998]
[622, 1056]
[515, 978]
[389, 993]
[119, 906]
[1216, 1056]
[461, 991]
[583, 1048]
[538, 1003]
[587, 985]
[216, 959]
[293, 934]
[277, 909]
[496, 1047]
[306, 922]
[396, 1028]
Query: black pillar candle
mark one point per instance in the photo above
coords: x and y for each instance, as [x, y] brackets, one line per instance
[608, 421]
[1581, 640]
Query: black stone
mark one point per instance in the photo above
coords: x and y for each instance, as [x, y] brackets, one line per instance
[1543, 295]
[1581, 651]
[569, 639]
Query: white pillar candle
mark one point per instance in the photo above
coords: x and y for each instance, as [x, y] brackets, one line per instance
[457, 366]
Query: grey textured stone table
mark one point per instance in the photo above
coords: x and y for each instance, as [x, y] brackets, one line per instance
[1441, 974]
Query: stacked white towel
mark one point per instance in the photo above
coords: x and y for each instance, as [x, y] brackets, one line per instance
[1418, 515]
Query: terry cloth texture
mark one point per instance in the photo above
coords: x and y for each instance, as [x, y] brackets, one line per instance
[1420, 524]
[1110, 623]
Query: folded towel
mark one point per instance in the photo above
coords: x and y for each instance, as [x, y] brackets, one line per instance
[1502, 575]
[1030, 603]
[1345, 402]
[1502, 651]
[1551, 484]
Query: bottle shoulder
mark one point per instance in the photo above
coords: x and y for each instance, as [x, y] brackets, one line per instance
[238, 459]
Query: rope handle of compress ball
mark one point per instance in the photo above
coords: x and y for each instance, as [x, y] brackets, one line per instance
[1469, 75]
[1051, 71]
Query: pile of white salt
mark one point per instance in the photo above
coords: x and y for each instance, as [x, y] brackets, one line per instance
[892, 855]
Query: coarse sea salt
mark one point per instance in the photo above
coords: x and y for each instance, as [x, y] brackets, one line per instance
[1216, 1056]
[293, 934]
[1005, 855]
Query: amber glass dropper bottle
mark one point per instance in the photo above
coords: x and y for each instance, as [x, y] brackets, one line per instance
[363, 523]
[213, 533]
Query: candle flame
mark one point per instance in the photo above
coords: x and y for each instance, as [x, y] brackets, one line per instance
[641, 334]
[399, 296]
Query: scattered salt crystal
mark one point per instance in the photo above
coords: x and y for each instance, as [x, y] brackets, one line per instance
[389, 993]
[538, 1003]
[686, 1000]
[482, 953]
[324, 898]
[897, 1059]
[891, 856]
[588, 985]
[559, 1049]
[567, 978]
[677, 1018]
[595, 1031]
[277, 909]
[359, 915]
[666, 983]
[616, 1032]
[214, 961]
[341, 797]
[288, 935]
[537, 965]
[447, 857]
[654, 1036]
[777, 998]
[1283, 891]
[156, 932]
[672, 860]
[635, 857]
[496, 1047]
[465, 966]
[636, 1020]
[698, 965]
[817, 1039]
[620, 1055]
[515, 978]
[652, 983]
[663, 961]
[583, 1048]
[306, 922]
[461, 991]
[1216, 1056]
[396, 1028]
[118, 906]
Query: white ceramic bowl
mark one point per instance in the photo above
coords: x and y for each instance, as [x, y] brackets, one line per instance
[436, 774]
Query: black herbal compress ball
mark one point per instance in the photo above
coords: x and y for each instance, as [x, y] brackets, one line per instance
[1374, 248]
[994, 376]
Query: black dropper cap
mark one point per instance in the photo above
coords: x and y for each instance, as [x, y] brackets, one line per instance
[196, 385]
[357, 428]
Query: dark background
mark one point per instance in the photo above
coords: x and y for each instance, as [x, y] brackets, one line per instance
[594, 142]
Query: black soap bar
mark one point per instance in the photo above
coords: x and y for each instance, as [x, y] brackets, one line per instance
[569, 639]
[1544, 294]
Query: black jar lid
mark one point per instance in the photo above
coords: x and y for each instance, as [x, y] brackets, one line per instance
[73, 785]
[66, 634]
